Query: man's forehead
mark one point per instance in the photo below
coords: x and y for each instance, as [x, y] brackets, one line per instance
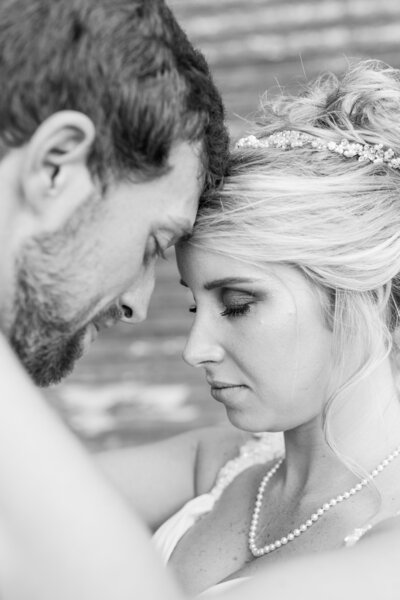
[188, 181]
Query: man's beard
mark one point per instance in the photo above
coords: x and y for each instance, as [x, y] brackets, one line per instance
[47, 346]
[43, 327]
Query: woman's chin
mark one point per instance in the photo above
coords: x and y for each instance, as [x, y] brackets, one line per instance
[253, 424]
[242, 420]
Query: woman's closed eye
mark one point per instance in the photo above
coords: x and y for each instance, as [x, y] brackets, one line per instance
[235, 303]
[236, 310]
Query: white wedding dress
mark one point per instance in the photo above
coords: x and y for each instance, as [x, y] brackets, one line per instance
[259, 450]
[262, 449]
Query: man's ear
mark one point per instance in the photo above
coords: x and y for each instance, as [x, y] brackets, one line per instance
[55, 179]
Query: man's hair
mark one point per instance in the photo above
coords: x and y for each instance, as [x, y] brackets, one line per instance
[126, 64]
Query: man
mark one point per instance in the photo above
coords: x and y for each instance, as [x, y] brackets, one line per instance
[110, 127]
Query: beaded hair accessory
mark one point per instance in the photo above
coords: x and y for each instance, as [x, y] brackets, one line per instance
[289, 139]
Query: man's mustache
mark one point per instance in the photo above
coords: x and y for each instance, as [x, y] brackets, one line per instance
[108, 317]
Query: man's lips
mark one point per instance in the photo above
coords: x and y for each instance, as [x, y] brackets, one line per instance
[94, 327]
[103, 323]
[107, 318]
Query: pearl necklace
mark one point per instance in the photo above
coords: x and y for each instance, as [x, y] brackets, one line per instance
[292, 535]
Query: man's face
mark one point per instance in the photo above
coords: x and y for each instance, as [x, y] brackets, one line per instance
[100, 267]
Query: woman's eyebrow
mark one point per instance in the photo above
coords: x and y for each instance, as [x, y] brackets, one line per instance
[216, 283]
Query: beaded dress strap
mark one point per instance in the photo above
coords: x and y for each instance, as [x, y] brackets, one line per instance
[258, 450]
[358, 533]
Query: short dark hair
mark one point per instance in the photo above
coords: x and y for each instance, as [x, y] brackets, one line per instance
[126, 64]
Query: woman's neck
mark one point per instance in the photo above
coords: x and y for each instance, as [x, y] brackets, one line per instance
[363, 426]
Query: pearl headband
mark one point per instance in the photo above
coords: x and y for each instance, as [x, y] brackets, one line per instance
[289, 139]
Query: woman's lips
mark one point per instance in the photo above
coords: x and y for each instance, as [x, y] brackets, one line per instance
[225, 392]
[216, 383]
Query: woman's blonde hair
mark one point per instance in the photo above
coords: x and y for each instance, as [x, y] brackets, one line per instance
[335, 218]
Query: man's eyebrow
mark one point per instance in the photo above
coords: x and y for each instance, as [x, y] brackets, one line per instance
[185, 235]
[180, 235]
[217, 283]
[186, 229]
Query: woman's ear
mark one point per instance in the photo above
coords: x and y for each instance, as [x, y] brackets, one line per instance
[55, 179]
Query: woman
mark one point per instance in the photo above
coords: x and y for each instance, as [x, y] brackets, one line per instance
[294, 270]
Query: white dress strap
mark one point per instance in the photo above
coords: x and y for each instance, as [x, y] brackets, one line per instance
[258, 450]
[355, 536]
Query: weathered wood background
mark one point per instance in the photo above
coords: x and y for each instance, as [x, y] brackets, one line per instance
[133, 385]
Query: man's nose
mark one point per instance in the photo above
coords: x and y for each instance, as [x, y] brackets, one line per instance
[202, 346]
[135, 301]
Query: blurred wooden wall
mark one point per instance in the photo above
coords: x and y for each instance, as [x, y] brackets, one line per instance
[255, 45]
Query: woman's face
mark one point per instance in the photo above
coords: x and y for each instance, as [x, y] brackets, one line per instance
[261, 337]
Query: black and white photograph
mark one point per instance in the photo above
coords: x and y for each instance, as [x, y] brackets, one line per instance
[199, 299]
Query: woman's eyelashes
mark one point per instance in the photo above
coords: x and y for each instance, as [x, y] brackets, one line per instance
[234, 303]
[237, 303]
[238, 310]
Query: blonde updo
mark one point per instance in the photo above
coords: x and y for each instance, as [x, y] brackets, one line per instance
[335, 218]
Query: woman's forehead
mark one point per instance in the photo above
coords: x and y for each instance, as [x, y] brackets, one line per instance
[199, 265]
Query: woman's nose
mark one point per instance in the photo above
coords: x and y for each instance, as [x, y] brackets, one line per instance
[202, 347]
